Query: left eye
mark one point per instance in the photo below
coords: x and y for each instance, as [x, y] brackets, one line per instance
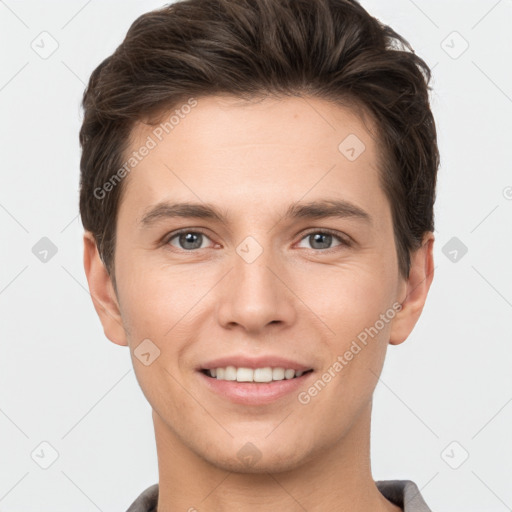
[322, 240]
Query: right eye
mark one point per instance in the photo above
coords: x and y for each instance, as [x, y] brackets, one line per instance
[187, 239]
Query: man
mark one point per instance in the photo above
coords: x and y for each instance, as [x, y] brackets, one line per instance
[257, 190]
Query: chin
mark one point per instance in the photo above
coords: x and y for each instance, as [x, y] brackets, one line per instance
[255, 454]
[273, 463]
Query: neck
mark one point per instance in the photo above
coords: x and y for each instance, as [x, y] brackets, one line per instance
[338, 479]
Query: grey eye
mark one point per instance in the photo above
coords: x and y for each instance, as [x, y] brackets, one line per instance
[189, 240]
[321, 240]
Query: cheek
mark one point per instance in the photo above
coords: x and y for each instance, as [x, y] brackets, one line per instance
[154, 300]
[162, 389]
[350, 297]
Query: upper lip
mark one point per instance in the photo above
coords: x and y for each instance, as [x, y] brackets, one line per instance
[243, 361]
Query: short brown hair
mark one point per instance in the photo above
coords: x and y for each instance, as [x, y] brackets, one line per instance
[331, 49]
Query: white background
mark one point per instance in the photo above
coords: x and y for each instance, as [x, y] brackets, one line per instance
[63, 382]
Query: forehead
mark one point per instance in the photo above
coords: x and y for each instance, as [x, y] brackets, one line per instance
[222, 120]
[223, 148]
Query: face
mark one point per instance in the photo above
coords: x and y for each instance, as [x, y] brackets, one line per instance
[283, 260]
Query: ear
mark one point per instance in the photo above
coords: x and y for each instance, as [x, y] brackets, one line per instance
[414, 291]
[102, 292]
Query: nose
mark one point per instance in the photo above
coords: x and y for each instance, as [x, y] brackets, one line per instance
[256, 295]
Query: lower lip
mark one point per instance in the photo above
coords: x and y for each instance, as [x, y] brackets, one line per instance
[254, 393]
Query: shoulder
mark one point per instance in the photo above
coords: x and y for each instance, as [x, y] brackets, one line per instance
[147, 500]
[404, 493]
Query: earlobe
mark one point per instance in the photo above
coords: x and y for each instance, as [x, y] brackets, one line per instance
[416, 290]
[102, 292]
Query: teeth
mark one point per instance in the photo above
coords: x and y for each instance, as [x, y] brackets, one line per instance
[230, 373]
[245, 375]
[263, 374]
[277, 373]
[266, 374]
[289, 374]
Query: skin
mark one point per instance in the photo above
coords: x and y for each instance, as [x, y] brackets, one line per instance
[296, 300]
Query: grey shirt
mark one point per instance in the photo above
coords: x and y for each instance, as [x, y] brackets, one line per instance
[403, 493]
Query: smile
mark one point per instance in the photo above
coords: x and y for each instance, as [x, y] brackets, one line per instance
[264, 374]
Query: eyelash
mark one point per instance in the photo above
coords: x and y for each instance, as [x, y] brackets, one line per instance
[344, 240]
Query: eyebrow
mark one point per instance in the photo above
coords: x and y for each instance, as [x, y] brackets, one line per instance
[320, 209]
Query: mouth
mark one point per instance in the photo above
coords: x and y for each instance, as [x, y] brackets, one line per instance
[254, 375]
[251, 380]
[254, 384]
